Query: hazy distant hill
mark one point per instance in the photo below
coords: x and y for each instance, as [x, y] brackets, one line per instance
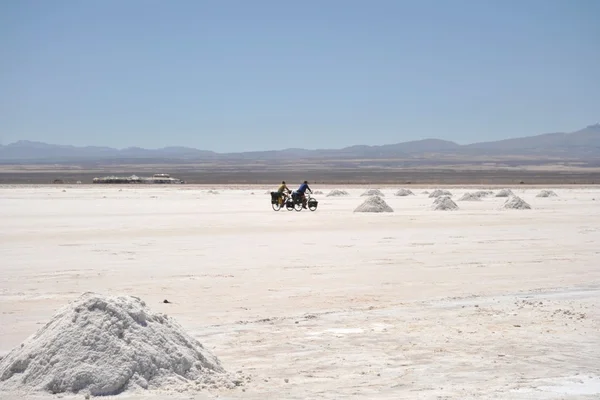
[582, 144]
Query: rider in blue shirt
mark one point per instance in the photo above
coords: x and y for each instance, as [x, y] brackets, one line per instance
[301, 190]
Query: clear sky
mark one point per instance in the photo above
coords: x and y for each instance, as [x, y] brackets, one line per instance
[243, 75]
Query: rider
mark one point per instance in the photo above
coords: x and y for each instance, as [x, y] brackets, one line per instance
[303, 188]
[282, 190]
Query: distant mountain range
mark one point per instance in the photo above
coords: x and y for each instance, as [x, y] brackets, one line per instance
[582, 145]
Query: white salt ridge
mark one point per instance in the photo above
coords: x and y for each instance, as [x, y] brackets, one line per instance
[546, 193]
[212, 192]
[318, 192]
[505, 193]
[444, 203]
[337, 193]
[102, 345]
[404, 192]
[374, 204]
[440, 192]
[516, 203]
[469, 197]
[373, 192]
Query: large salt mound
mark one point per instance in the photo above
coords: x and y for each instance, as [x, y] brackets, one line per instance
[374, 204]
[516, 203]
[546, 193]
[373, 192]
[102, 345]
[440, 192]
[404, 192]
[504, 193]
[469, 197]
[337, 193]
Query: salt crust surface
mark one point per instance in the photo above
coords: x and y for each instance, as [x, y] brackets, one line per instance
[102, 345]
[374, 204]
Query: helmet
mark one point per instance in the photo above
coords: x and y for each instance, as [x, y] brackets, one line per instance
[283, 182]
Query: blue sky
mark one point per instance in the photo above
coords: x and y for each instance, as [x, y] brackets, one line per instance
[241, 75]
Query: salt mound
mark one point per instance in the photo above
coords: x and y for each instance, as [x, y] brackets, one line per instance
[469, 197]
[337, 193]
[483, 193]
[102, 345]
[404, 192]
[516, 203]
[374, 204]
[373, 192]
[444, 203]
[425, 192]
[318, 192]
[546, 193]
[438, 200]
[212, 192]
[505, 193]
[440, 192]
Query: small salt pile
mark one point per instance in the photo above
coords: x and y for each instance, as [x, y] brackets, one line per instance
[374, 204]
[440, 192]
[404, 192]
[444, 203]
[337, 193]
[516, 203]
[483, 193]
[505, 193]
[373, 192]
[546, 193]
[470, 197]
[102, 345]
